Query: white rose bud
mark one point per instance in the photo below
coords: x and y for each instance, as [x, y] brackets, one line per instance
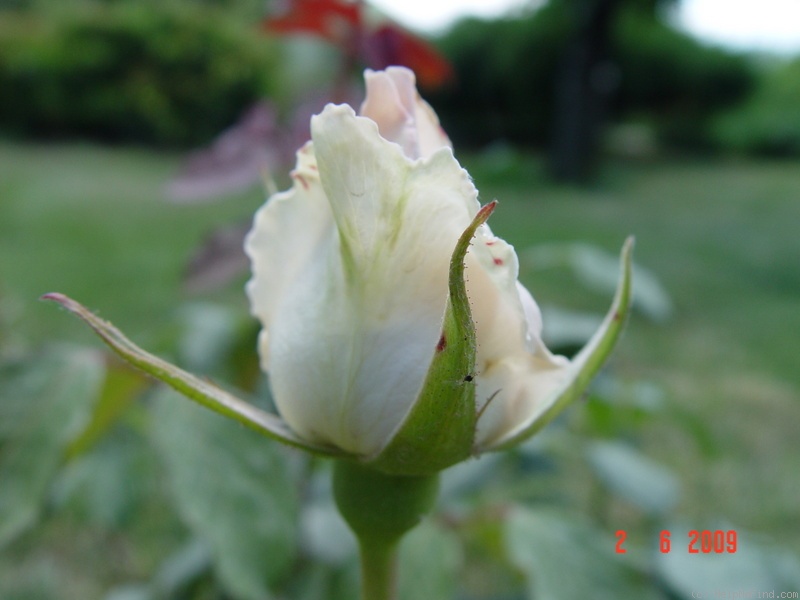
[395, 331]
[351, 284]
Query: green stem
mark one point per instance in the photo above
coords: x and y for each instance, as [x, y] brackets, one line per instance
[380, 509]
[378, 570]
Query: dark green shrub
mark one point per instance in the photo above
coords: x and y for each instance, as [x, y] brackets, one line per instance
[675, 81]
[129, 71]
[768, 123]
[506, 70]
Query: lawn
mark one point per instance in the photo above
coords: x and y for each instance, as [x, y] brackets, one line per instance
[93, 223]
[722, 237]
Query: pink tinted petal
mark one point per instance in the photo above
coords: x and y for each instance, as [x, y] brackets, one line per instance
[402, 116]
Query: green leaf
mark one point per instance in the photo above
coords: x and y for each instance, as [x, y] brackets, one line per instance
[179, 570]
[634, 477]
[597, 270]
[44, 405]
[131, 592]
[176, 575]
[121, 388]
[192, 387]
[754, 566]
[564, 558]
[234, 490]
[326, 538]
[429, 561]
[318, 581]
[422, 445]
[563, 328]
[107, 485]
[208, 335]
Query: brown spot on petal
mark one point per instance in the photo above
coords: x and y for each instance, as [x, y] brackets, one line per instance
[442, 344]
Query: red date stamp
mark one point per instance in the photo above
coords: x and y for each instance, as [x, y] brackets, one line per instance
[706, 541]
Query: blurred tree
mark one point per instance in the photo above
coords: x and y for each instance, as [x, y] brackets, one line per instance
[586, 78]
[164, 74]
[565, 69]
[768, 122]
[673, 82]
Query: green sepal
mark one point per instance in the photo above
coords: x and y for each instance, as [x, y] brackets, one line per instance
[588, 361]
[439, 429]
[380, 508]
[194, 388]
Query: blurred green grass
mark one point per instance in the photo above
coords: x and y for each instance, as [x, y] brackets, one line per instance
[91, 222]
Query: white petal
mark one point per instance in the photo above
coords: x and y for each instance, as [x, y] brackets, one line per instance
[354, 310]
[287, 233]
[402, 116]
[515, 372]
[533, 317]
[529, 386]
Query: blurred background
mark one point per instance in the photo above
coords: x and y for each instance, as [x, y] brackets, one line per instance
[137, 138]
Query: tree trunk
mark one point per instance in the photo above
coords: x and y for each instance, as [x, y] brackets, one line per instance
[584, 84]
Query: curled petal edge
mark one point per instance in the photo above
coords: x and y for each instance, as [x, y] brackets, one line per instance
[587, 362]
[194, 388]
